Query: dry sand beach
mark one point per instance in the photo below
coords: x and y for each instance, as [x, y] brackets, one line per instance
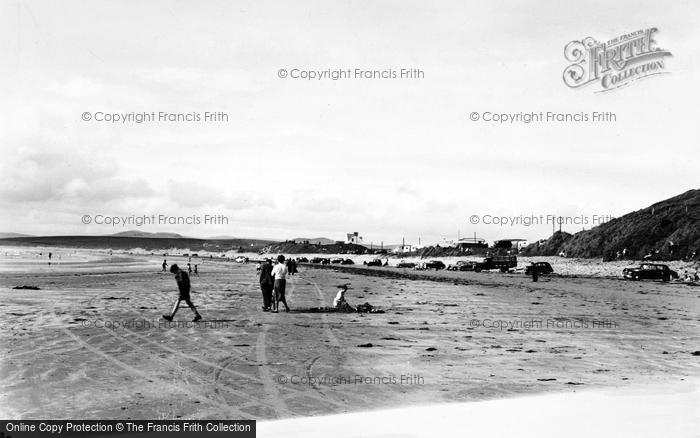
[89, 342]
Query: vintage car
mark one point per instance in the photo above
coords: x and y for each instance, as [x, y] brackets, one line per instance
[502, 263]
[241, 259]
[434, 264]
[347, 262]
[375, 262]
[542, 268]
[462, 265]
[650, 271]
[403, 264]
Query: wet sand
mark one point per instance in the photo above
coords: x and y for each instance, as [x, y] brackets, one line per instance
[89, 343]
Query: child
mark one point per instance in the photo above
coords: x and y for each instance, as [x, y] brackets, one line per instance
[339, 302]
[279, 272]
[183, 284]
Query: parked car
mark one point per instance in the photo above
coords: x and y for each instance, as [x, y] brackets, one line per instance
[403, 264]
[542, 268]
[434, 264]
[347, 262]
[502, 263]
[375, 262]
[337, 260]
[303, 260]
[650, 271]
[317, 260]
[462, 265]
[241, 259]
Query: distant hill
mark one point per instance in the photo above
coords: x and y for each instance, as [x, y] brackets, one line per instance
[315, 241]
[135, 233]
[11, 235]
[669, 230]
[292, 247]
[149, 243]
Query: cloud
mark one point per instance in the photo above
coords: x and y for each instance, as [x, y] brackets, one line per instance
[31, 175]
[193, 194]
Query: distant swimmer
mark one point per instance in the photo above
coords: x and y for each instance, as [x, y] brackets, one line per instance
[183, 285]
[279, 272]
[165, 266]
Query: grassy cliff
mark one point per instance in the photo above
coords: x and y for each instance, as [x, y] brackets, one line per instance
[670, 230]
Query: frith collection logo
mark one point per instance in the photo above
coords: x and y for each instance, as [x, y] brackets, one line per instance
[615, 63]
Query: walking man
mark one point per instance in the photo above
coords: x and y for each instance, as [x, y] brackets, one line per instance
[183, 284]
[279, 272]
[165, 265]
[266, 284]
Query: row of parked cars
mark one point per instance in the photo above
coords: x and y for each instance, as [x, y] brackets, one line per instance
[646, 271]
[501, 263]
[327, 261]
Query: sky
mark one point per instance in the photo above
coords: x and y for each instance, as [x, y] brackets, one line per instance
[389, 158]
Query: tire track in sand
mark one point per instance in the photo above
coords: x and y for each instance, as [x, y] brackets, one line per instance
[271, 391]
[235, 413]
[271, 399]
[324, 318]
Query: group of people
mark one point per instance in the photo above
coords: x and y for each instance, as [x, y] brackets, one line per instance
[273, 282]
[189, 267]
[690, 278]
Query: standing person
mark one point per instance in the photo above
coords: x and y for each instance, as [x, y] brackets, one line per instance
[196, 272]
[279, 272]
[165, 265]
[266, 284]
[183, 285]
[189, 268]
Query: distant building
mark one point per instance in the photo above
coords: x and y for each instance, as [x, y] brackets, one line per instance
[510, 243]
[404, 248]
[447, 243]
[471, 242]
[354, 238]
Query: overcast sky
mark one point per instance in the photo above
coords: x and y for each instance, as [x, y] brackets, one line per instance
[387, 158]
